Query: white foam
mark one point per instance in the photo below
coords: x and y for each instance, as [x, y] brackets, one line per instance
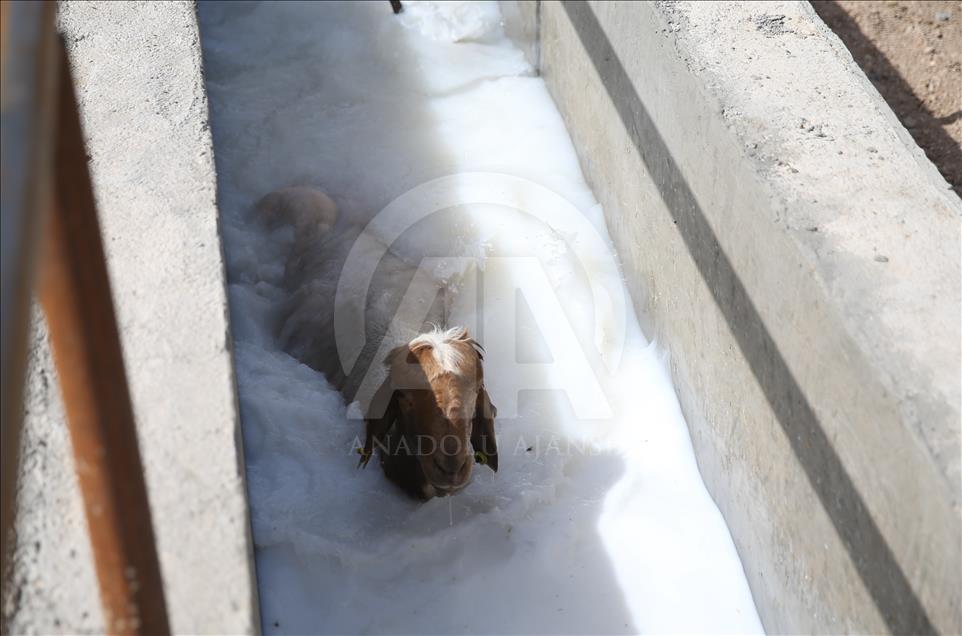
[590, 526]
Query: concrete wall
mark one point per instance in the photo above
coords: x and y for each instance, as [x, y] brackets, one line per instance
[137, 68]
[785, 238]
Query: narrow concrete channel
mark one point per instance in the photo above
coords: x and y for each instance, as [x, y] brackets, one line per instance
[598, 520]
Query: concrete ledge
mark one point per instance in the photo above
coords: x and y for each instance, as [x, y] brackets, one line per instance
[798, 254]
[138, 71]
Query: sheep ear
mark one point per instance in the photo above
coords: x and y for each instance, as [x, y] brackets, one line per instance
[377, 427]
[478, 349]
[482, 431]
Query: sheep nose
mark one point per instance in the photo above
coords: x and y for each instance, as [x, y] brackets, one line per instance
[450, 446]
[449, 465]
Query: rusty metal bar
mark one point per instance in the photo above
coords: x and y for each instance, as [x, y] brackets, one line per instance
[75, 293]
[28, 83]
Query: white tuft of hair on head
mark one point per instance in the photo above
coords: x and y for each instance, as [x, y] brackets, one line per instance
[449, 357]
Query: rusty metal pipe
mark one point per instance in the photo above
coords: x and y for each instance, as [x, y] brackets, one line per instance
[75, 294]
[28, 85]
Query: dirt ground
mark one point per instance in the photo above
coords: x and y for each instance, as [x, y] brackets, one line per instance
[912, 53]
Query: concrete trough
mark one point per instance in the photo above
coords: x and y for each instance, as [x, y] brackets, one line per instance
[799, 256]
[781, 234]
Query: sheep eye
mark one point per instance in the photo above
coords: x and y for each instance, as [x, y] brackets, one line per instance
[404, 398]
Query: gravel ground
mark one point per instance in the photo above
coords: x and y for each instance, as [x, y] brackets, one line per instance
[912, 53]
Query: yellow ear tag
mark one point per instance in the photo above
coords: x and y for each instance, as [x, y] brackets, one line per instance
[365, 457]
[480, 458]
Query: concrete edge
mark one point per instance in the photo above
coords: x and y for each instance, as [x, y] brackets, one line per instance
[139, 75]
[825, 422]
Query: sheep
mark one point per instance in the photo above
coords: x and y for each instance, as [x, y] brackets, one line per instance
[431, 419]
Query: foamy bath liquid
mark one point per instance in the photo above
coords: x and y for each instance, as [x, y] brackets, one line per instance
[597, 521]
